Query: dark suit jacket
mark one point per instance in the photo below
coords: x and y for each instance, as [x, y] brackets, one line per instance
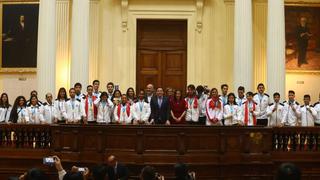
[122, 172]
[160, 114]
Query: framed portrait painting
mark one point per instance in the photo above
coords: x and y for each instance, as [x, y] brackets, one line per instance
[302, 29]
[19, 26]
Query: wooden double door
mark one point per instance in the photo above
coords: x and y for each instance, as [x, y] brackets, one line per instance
[162, 53]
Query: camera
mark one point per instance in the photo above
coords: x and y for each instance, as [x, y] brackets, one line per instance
[48, 161]
[81, 169]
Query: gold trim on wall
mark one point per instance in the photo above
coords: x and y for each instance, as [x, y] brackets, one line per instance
[14, 70]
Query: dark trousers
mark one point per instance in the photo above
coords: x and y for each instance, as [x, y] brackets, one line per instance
[202, 120]
[315, 124]
[262, 122]
[302, 53]
[192, 123]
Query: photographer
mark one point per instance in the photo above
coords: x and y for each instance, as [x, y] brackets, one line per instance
[31, 174]
[182, 172]
[76, 173]
[149, 173]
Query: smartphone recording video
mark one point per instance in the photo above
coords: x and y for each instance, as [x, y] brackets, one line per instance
[48, 161]
[81, 169]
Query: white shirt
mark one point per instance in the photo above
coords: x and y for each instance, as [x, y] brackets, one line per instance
[192, 114]
[149, 98]
[232, 114]
[276, 116]
[96, 94]
[251, 116]
[34, 114]
[105, 110]
[316, 107]
[124, 117]
[59, 109]
[110, 95]
[141, 111]
[240, 101]
[307, 117]
[263, 102]
[5, 114]
[202, 103]
[80, 96]
[47, 113]
[290, 118]
[74, 111]
[224, 99]
[23, 115]
[214, 113]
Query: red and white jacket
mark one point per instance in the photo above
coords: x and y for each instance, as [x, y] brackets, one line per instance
[214, 112]
[123, 114]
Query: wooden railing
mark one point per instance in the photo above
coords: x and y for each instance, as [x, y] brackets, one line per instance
[25, 136]
[213, 152]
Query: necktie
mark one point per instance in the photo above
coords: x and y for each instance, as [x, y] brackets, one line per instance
[160, 101]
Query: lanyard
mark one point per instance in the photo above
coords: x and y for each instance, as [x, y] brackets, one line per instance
[141, 106]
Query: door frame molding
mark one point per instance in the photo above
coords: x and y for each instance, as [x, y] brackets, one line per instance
[193, 44]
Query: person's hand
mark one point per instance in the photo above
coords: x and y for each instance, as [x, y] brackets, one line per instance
[55, 120]
[167, 122]
[85, 120]
[135, 122]
[23, 176]
[275, 108]
[86, 173]
[74, 169]
[57, 163]
[179, 119]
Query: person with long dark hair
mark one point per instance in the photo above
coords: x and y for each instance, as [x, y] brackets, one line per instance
[34, 110]
[104, 107]
[214, 109]
[5, 108]
[232, 112]
[178, 108]
[19, 113]
[131, 96]
[60, 106]
[116, 97]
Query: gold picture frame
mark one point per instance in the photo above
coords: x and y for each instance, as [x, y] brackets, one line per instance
[306, 69]
[17, 69]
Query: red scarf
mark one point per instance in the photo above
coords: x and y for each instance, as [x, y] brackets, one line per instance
[195, 102]
[213, 102]
[95, 110]
[127, 110]
[246, 113]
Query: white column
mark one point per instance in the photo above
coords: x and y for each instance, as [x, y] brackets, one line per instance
[46, 57]
[243, 53]
[94, 39]
[80, 42]
[63, 44]
[276, 48]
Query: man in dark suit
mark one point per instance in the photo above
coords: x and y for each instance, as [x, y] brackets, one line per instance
[149, 92]
[116, 171]
[303, 36]
[160, 108]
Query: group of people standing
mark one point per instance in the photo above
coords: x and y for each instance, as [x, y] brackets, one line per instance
[200, 106]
